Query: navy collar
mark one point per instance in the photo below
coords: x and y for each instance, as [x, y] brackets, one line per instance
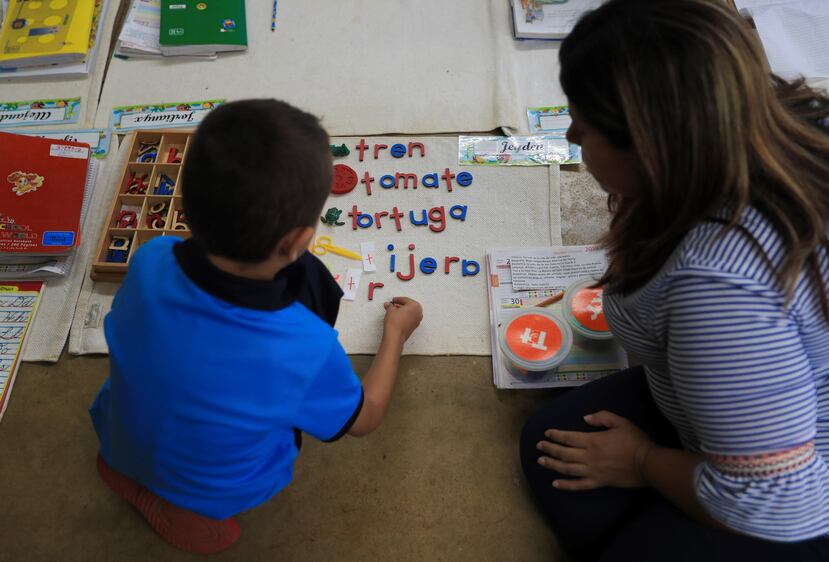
[306, 281]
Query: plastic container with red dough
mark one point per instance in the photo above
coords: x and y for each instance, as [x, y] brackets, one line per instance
[534, 342]
[583, 308]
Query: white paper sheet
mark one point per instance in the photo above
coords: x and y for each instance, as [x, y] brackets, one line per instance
[365, 68]
[369, 256]
[795, 35]
[547, 270]
[141, 28]
[351, 284]
[18, 306]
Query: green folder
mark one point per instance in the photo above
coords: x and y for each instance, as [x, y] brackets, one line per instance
[202, 27]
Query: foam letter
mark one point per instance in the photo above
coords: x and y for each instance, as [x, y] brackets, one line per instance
[470, 272]
[406, 178]
[367, 179]
[371, 287]
[433, 180]
[447, 262]
[413, 145]
[396, 215]
[378, 148]
[458, 212]
[464, 179]
[437, 215]
[354, 213]
[364, 220]
[421, 222]
[447, 177]
[362, 148]
[428, 265]
[411, 267]
[377, 218]
[398, 150]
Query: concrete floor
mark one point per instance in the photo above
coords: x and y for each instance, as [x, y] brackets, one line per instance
[439, 481]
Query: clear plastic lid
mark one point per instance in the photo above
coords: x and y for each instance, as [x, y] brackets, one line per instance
[583, 308]
[535, 340]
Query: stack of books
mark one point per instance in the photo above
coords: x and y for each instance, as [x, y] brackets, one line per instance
[51, 39]
[156, 28]
[48, 188]
[548, 19]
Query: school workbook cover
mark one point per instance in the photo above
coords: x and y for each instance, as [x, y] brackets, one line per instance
[41, 194]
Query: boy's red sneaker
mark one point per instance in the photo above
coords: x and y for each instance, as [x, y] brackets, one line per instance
[182, 528]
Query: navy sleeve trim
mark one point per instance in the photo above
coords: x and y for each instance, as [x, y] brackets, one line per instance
[341, 433]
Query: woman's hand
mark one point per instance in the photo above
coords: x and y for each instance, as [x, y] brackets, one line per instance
[605, 458]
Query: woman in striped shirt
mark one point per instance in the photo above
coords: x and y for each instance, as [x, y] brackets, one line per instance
[717, 448]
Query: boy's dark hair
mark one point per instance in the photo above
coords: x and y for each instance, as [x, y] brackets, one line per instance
[254, 171]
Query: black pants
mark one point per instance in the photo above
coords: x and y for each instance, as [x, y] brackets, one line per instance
[633, 525]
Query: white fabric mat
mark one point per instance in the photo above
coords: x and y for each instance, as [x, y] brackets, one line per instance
[95, 299]
[535, 70]
[57, 308]
[87, 89]
[506, 207]
[366, 67]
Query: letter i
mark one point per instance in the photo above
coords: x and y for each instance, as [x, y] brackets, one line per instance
[390, 248]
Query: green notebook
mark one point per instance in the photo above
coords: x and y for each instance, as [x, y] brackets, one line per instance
[202, 27]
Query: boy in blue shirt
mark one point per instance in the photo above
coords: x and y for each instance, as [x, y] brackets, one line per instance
[222, 347]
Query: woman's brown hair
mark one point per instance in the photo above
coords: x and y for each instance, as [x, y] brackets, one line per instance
[684, 84]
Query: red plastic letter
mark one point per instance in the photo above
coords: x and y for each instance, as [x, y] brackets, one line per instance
[354, 214]
[362, 148]
[396, 215]
[447, 262]
[377, 217]
[378, 148]
[447, 177]
[413, 145]
[438, 216]
[411, 270]
[367, 179]
[371, 287]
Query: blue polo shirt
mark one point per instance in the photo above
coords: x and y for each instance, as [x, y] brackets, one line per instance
[212, 377]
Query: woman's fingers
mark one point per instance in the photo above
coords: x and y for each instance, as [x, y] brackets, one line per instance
[571, 438]
[575, 484]
[565, 468]
[567, 454]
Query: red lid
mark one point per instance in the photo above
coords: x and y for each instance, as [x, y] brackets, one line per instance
[534, 337]
[588, 309]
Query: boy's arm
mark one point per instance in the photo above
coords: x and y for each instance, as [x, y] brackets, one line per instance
[403, 315]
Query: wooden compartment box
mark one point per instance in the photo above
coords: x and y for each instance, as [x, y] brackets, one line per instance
[147, 203]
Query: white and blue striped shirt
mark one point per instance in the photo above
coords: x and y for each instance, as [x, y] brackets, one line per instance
[741, 374]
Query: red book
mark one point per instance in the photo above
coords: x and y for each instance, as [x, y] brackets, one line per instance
[41, 194]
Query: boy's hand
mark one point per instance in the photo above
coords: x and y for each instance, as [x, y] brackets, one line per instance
[403, 316]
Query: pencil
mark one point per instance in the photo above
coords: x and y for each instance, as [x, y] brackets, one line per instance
[273, 17]
[551, 300]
